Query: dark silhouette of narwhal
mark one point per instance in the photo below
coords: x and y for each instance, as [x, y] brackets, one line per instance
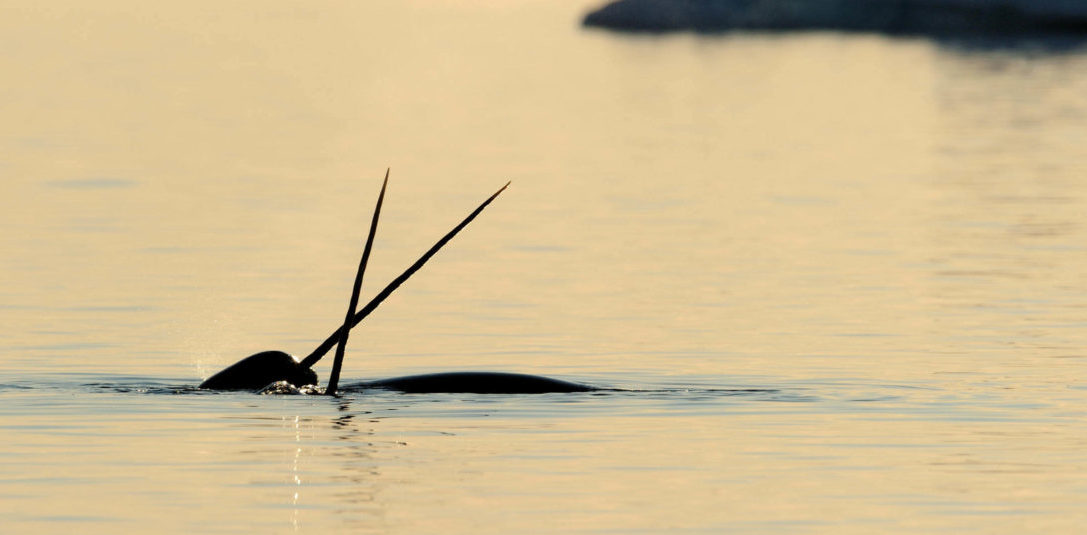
[262, 369]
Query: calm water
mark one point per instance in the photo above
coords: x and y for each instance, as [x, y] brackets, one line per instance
[844, 277]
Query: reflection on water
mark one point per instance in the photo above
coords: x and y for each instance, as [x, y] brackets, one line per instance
[1007, 214]
[838, 277]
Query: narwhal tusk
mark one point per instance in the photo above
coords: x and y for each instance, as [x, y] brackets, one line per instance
[320, 351]
[334, 377]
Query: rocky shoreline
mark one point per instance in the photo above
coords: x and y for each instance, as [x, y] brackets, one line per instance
[902, 17]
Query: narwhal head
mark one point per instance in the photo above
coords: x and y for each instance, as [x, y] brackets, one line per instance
[301, 375]
[257, 371]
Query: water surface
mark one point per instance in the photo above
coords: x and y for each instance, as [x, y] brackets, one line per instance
[842, 277]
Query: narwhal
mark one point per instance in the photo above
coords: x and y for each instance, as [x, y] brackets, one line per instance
[268, 367]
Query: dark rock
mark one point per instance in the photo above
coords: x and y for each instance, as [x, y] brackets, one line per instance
[921, 17]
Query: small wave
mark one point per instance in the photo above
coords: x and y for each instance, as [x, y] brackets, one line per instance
[143, 388]
[15, 387]
[285, 388]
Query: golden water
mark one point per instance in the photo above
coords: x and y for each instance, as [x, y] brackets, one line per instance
[846, 275]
